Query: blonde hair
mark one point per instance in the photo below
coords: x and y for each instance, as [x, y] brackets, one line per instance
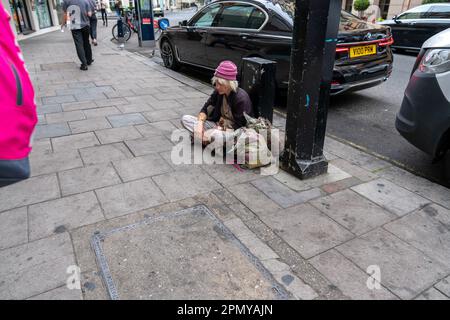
[232, 84]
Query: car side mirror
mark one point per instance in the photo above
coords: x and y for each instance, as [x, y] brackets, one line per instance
[183, 23]
[395, 18]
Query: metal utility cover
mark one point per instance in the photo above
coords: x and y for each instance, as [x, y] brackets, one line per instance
[187, 254]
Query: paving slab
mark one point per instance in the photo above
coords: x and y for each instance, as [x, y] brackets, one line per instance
[186, 183]
[135, 107]
[56, 216]
[354, 212]
[160, 115]
[282, 195]
[201, 260]
[306, 229]
[432, 294]
[35, 267]
[33, 190]
[50, 108]
[89, 125]
[105, 153]
[254, 199]
[101, 112]
[75, 141]
[141, 167]
[64, 116]
[117, 134]
[87, 178]
[228, 175]
[51, 130]
[354, 170]
[444, 286]
[129, 119]
[390, 196]
[404, 270]
[61, 293]
[144, 146]
[79, 105]
[428, 230]
[351, 280]
[130, 197]
[13, 227]
[51, 162]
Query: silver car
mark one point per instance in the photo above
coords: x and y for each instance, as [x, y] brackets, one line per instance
[424, 117]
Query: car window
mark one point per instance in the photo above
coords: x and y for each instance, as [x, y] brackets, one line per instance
[237, 16]
[415, 13]
[276, 24]
[206, 17]
[256, 20]
[439, 12]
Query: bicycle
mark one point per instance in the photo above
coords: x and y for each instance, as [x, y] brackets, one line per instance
[129, 25]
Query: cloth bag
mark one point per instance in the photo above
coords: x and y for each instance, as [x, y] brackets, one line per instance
[17, 107]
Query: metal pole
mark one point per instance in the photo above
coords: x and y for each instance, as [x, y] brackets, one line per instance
[316, 24]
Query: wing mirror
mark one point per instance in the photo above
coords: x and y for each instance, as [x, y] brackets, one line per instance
[183, 23]
[395, 18]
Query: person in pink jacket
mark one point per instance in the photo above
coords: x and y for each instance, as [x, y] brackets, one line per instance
[17, 107]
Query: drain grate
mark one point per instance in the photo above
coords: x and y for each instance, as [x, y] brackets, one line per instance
[188, 254]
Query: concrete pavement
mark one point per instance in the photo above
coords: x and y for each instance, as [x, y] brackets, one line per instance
[106, 198]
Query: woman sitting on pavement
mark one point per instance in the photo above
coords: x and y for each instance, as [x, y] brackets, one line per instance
[224, 109]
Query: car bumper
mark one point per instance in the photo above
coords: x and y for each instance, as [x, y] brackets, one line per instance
[424, 115]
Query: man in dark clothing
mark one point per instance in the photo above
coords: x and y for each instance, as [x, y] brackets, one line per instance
[79, 14]
[225, 108]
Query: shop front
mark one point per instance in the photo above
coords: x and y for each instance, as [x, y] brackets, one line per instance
[43, 14]
[21, 16]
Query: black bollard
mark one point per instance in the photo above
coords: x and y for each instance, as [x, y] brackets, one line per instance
[314, 38]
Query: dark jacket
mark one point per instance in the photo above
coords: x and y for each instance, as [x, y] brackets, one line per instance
[238, 101]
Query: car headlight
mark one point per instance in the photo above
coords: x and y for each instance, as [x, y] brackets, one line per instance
[435, 61]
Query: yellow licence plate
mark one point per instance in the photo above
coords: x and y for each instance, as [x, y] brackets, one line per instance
[363, 51]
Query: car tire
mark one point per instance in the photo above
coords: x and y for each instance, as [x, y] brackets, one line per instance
[168, 56]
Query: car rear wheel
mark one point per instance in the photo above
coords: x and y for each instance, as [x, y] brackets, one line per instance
[168, 56]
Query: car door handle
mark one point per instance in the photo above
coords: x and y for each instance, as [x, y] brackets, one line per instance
[244, 36]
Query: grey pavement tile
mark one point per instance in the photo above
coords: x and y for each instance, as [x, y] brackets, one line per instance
[89, 125]
[160, 115]
[229, 175]
[13, 227]
[306, 229]
[405, 271]
[117, 134]
[282, 195]
[111, 102]
[154, 144]
[42, 146]
[254, 199]
[130, 197]
[444, 286]
[141, 167]
[291, 181]
[126, 119]
[44, 163]
[351, 280]
[33, 190]
[99, 96]
[340, 185]
[61, 293]
[51, 130]
[135, 107]
[296, 286]
[141, 99]
[56, 216]
[428, 230]
[421, 186]
[92, 286]
[83, 84]
[165, 105]
[105, 153]
[50, 108]
[119, 93]
[41, 119]
[79, 105]
[87, 178]
[390, 196]
[194, 102]
[355, 213]
[58, 99]
[186, 183]
[354, 170]
[101, 112]
[163, 127]
[432, 294]
[75, 141]
[35, 267]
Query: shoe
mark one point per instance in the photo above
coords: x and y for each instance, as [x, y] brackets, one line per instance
[83, 67]
[89, 63]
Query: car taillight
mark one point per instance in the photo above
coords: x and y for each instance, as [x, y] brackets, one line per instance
[386, 42]
[341, 49]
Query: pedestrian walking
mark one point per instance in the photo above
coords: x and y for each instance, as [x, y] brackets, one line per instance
[119, 7]
[103, 11]
[79, 14]
[17, 107]
[93, 22]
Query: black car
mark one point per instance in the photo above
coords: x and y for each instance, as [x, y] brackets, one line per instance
[424, 117]
[232, 30]
[413, 27]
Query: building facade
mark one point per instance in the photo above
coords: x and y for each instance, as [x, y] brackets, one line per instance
[31, 16]
[387, 8]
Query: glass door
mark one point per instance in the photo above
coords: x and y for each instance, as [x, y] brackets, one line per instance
[43, 14]
[20, 16]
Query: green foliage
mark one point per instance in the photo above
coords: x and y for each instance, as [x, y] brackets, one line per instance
[433, 1]
[361, 5]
